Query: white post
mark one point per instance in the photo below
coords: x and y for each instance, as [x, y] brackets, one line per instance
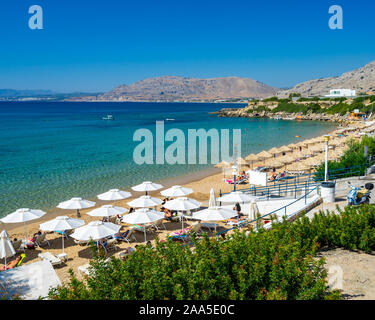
[326, 138]
[63, 242]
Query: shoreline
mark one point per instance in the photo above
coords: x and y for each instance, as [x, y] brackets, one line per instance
[190, 178]
[200, 181]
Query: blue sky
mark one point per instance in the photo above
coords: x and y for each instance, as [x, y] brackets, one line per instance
[97, 45]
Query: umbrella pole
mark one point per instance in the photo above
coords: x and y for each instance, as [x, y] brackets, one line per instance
[78, 214]
[63, 243]
[144, 230]
[24, 226]
[5, 263]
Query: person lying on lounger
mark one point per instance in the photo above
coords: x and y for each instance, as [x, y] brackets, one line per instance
[13, 263]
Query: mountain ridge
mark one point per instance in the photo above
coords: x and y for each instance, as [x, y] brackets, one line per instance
[178, 88]
[361, 79]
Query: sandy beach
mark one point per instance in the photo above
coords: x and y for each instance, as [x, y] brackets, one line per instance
[200, 182]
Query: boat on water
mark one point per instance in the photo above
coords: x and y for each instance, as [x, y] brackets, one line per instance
[108, 117]
[170, 119]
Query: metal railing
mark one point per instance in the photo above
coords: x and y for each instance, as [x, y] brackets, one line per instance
[282, 209]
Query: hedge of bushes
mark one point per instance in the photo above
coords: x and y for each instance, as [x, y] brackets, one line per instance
[280, 263]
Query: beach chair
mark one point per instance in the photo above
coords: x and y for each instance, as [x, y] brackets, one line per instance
[159, 224]
[196, 227]
[81, 242]
[209, 226]
[48, 256]
[128, 236]
[23, 256]
[18, 245]
[180, 235]
[40, 240]
[63, 233]
[84, 270]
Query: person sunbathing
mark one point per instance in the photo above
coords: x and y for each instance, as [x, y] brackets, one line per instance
[273, 176]
[13, 263]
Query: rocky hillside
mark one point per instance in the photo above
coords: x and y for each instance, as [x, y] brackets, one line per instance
[361, 80]
[170, 88]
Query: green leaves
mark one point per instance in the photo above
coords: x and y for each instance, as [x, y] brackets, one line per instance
[279, 263]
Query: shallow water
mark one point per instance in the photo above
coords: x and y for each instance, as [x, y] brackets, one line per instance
[50, 152]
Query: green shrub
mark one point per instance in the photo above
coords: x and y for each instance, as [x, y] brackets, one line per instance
[279, 263]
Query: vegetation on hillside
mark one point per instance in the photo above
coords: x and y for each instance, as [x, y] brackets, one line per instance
[354, 156]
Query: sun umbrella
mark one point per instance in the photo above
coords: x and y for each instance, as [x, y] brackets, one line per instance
[274, 163]
[23, 215]
[95, 230]
[76, 204]
[147, 186]
[143, 216]
[176, 191]
[6, 247]
[264, 155]
[144, 202]
[107, 210]
[212, 200]
[214, 214]
[114, 194]
[274, 150]
[222, 164]
[287, 159]
[182, 204]
[61, 223]
[236, 196]
[251, 158]
[284, 149]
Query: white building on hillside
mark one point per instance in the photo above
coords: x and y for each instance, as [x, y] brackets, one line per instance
[337, 93]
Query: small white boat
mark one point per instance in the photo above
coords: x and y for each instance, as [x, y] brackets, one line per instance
[108, 117]
[170, 119]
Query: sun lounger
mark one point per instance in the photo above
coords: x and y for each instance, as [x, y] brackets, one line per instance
[237, 223]
[128, 236]
[85, 269]
[209, 226]
[64, 233]
[159, 224]
[81, 242]
[23, 256]
[180, 235]
[48, 256]
[18, 245]
[40, 240]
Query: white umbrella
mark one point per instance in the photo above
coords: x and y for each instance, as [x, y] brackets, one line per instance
[147, 186]
[23, 215]
[76, 204]
[61, 223]
[107, 210]
[114, 194]
[144, 202]
[142, 216]
[236, 196]
[176, 191]
[254, 210]
[6, 247]
[212, 200]
[182, 204]
[214, 214]
[95, 230]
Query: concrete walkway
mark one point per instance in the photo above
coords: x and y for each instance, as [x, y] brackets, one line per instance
[342, 190]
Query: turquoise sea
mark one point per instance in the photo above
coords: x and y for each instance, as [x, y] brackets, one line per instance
[52, 151]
